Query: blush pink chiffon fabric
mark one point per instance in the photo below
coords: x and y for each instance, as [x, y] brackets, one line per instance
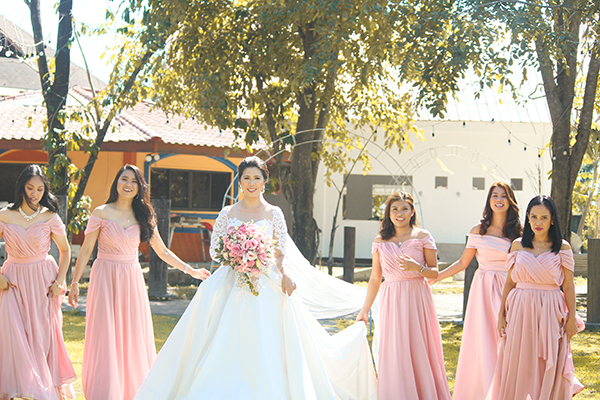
[535, 360]
[480, 340]
[119, 338]
[411, 359]
[33, 358]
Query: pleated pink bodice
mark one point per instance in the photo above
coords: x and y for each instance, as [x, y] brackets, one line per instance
[33, 242]
[114, 241]
[389, 252]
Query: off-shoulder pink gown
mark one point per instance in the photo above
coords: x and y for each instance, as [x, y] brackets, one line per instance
[411, 359]
[480, 340]
[119, 338]
[534, 360]
[33, 358]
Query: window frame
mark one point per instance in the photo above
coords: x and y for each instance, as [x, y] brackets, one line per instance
[189, 189]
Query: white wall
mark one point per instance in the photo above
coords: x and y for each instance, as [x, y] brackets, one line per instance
[449, 213]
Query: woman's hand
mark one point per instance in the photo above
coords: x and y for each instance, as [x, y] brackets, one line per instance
[5, 284]
[502, 324]
[363, 316]
[408, 264]
[433, 281]
[570, 327]
[200, 273]
[55, 289]
[74, 294]
[287, 285]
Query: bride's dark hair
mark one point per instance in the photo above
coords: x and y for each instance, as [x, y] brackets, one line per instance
[142, 208]
[253, 161]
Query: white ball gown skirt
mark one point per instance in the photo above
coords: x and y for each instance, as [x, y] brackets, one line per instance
[230, 344]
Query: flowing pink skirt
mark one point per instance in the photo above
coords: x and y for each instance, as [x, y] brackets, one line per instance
[33, 358]
[119, 337]
[535, 361]
[411, 360]
[480, 340]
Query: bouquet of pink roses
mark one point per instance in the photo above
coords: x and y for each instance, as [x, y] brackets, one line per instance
[247, 249]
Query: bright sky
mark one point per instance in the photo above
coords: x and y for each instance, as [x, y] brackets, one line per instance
[90, 12]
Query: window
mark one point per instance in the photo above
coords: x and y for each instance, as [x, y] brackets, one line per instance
[516, 183]
[441, 182]
[190, 190]
[478, 183]
[365, 195]
[382, 192]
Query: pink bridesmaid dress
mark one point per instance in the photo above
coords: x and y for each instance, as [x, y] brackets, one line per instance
[534, 360]
[480, 340]
[411, 359]
[33, 358]
[119, 337]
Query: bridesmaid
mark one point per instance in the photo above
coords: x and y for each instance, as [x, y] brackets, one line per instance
[119, 338]
[490, 241]
[33, 358]
[536, 320]
[411, 360]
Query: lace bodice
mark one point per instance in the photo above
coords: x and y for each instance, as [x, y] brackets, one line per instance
[275, 227]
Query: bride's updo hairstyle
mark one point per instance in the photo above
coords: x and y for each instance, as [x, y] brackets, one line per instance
[388, 230]
[253, 161]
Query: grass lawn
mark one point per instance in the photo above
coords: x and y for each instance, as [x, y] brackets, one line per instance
[585, 346]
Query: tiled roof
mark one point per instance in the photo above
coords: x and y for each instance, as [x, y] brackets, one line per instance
[21, 72]
[138, 124]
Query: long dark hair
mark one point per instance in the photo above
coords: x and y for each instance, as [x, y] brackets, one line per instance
[142, 208]
[48, 199]
[387, 229]
[253, 161]
[554, 232]
[512, 228]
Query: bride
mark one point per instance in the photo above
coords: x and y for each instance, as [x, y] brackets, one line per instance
[230, 344]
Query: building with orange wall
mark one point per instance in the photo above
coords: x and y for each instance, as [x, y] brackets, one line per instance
[192, 164]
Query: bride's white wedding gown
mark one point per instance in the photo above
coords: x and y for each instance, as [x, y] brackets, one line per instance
[230, 344]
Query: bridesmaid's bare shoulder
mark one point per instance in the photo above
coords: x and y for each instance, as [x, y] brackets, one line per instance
[378, 239]
[476, 229]
[102, 211]
[5, 214]
[516, 245]
[565, 245]
[420, 233]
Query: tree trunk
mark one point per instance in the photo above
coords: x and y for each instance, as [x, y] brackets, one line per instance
[559, 84]
[588, 202]
[55, 92]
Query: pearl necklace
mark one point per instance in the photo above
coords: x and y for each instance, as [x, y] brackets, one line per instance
[32, 216]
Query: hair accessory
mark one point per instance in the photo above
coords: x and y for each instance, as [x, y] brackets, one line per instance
[32, 216]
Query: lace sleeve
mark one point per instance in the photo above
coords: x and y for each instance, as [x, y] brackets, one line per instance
[219, 230]
[279, 230]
